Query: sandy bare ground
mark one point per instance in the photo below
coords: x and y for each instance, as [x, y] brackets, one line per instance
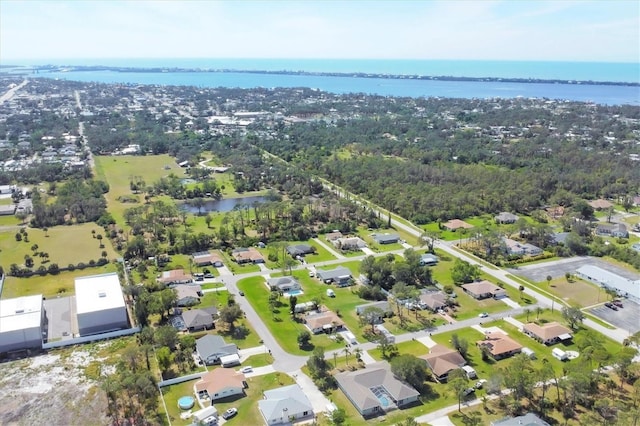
[51, 389]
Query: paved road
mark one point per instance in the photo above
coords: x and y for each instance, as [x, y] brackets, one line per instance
[544, 300]
[11, 92]
[83, 138]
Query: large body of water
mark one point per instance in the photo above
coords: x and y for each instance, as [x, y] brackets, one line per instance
[576, 71]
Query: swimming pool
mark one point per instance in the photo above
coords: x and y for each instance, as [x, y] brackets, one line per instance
[186, 402]
[294, 292]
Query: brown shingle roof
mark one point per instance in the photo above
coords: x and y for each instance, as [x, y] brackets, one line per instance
[325, 318]
[218, 379]
[454, 224]
[441, 360]
[499, 344]
[547, 331]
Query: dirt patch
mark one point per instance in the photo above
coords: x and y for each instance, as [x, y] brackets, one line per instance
[51, 389]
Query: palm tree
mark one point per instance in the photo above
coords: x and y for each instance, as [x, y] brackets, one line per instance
[347, 352]
[527, 311]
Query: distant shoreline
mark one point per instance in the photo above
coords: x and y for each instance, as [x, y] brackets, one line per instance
[76, 68]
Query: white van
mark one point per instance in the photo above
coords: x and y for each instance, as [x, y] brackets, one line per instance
[331, 293]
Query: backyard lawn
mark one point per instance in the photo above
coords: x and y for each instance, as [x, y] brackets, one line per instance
[248, 413]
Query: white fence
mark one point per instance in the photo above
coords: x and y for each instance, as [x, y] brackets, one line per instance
[92, 338]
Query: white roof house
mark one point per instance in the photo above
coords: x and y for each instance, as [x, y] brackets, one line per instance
[624, 286]
[100, 304]
[21, 323]
[284, 405]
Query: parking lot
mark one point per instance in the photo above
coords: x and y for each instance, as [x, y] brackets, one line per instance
[625, 318]
[558, 268]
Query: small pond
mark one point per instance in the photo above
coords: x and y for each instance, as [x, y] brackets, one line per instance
[223, 205]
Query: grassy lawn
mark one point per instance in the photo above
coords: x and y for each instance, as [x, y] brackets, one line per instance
[280, 323]
[64, 244]
[471, 308]
[9, 220]
[118, 171]
[412, 347]
[171, 395]
[259, 360]
[577, 292]
[50, 286]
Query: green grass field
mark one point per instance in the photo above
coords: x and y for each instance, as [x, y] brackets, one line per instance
[118, 171]
[64, 244]
[50, 286]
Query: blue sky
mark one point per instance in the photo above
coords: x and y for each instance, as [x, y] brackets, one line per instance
[502, 30]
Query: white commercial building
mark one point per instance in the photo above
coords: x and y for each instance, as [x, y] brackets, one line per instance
[623, 286]
[21, 322]
[100, 304]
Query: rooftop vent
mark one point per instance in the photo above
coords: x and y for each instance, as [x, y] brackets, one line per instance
[102, 294]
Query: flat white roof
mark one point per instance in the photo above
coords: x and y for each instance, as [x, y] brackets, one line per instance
[610, 279]
[98, 292]
[20, 313]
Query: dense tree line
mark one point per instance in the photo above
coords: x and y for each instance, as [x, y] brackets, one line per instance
[77, 201]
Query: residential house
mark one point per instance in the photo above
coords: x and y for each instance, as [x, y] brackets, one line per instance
[528, 419]
[7, 209]
[428, 259]
[283, 284]
[386, 238]
[188, 295]
[442, 360]
[332, 236]
[455, 224]
[323, 322]
[247, 255]
[375, 390]
[206, 258]
[617, 230]
[560, 237]
[340, 276]
[623, 286]
[199, 319]
[499, 345]
[432, 300]
[284, 405]
[175, 276]
[515, 248]
[548, 334]
[483, 290]
[351, 243]
[220, 383]
[383, 305]
[210, 348]
[506, 218]
[300, 250]
[600, 204]
[305, 307]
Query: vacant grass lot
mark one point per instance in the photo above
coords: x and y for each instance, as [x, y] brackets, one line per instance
[118, 171]
[64, 244]
[577, 292]
[50, 286]
[248, 413]
[412, 347]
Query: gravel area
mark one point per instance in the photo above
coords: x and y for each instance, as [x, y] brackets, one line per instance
[50, 389]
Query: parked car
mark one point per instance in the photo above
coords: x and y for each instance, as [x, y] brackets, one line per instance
[480, 383]
[208, 275]
[247, 369]
[618, 303]
[241, 293]
[230, 413]
[483, 315]
[468, 391]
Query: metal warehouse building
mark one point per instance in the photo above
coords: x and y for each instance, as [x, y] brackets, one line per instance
[21, 322]
[100, 304]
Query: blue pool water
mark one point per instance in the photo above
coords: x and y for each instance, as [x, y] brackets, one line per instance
[186, 402]
[295, 292]
[384, 401]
